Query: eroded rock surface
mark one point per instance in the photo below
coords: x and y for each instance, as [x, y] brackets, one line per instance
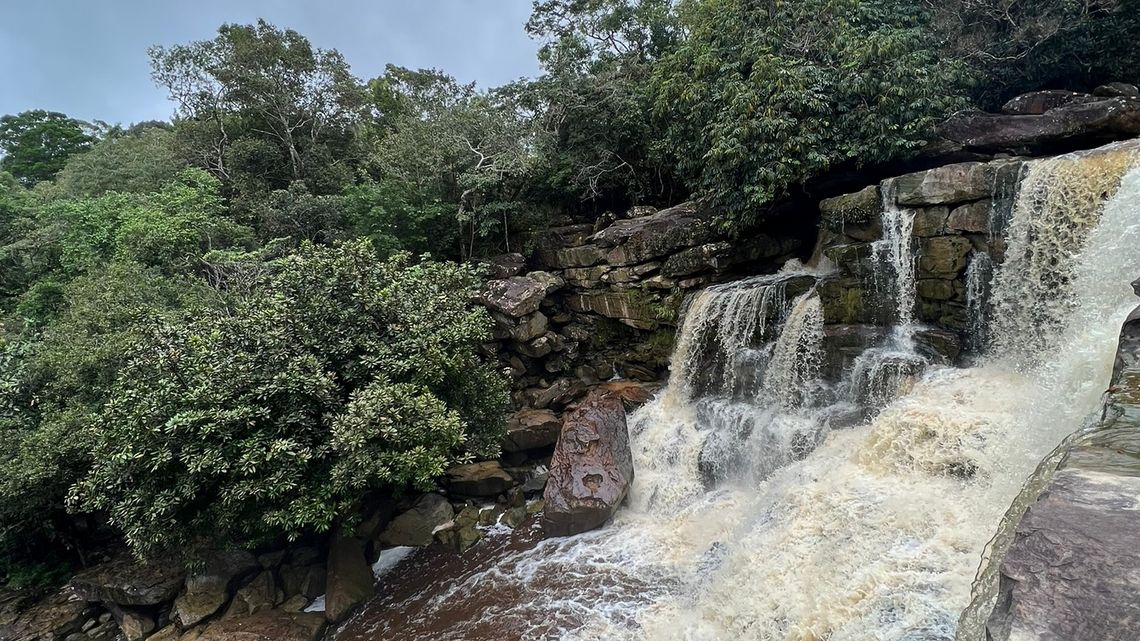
[592, 467]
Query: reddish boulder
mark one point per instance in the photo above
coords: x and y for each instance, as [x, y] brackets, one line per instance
[592, 467]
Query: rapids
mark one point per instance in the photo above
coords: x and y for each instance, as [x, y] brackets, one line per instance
[751, 517]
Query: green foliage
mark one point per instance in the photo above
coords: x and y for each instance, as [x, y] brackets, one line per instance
[443, 144]
[595, 102]
[761, 97]
[1014, 47]
[395, 217]
[340, 374]
[52, 385]
[140, 160]
[261, 107]
[36, 144]
[170, 228]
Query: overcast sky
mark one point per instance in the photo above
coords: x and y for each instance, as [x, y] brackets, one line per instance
[87, 58]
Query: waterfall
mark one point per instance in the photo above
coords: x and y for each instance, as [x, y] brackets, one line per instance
[979, 271]
[894, 259]
[750, 518]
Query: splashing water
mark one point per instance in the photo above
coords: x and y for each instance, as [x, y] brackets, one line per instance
[806, 534]
[894, 258]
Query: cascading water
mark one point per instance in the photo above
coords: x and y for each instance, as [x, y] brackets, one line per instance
[810, 534]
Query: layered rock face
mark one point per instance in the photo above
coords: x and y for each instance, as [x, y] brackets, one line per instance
[592, 302]
[1073, 568]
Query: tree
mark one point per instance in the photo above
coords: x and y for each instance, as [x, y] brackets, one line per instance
[138, 160]
[257, 88]
[53, 382]
[595, 102]
[36, 144]
[340, 375]
[760, 97]
[1016, 47]
[443, 142]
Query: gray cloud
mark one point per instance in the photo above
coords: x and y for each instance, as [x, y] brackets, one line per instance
[88, 58]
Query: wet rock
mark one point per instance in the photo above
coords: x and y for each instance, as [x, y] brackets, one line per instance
[856, 259]
[943, 256]
[307, 581]
[209, 590]
[710, 257]
[1072, 570]
[537, 348]
[1075, 122]
[486, 478]
[938, 345]
[949, 184]
[415, 526]
[558, 394]
[1117, 90]
[135, 624]
[127, 582]
[529, 327]
[350, 581]
[530, 429]
[852, 210]
[516, 296]
[935, 289]
[930, 221]
[633, 394]
[640, 240]
[505, 266]
[1038, 102]
[257, 595]
[583, 256]
[592, 467]
[463, 532]
[628, 307]
[973, 218]
[59, 615]
[267, 625]
[550, 282]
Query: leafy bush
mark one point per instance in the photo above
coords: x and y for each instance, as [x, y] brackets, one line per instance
[338, 375]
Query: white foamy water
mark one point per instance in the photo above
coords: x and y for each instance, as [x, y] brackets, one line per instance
[750, 519]
[878, 532]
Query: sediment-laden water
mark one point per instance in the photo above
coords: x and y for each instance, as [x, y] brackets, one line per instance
[751, 517]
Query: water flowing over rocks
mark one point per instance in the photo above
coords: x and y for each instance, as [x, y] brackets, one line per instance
[835, 443]
[1072, 567]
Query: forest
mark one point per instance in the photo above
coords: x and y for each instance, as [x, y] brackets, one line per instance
[236, 326]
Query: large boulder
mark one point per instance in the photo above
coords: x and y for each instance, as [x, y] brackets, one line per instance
[483, 479]
[416, 526]
[949, 184]
[55, 617]
[628, 307]
[350, 580]
[1036, 103]
[505, 265]
[638, 240]
[530, 429]
[592, 467]
[209, 589]
[127, 582]
[1075, 122]
[516, 296]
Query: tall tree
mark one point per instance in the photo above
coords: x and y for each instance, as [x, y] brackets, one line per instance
[36, 144]
[256, 89]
